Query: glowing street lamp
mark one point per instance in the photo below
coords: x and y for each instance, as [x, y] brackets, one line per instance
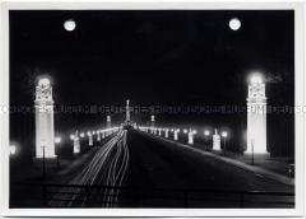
[72, 137]
[185, 131]
[13, 149]
[57, 140]
[82, 135]
[206, 133]
[224, 136]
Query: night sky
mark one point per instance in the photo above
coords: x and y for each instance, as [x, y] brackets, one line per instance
[160, 58]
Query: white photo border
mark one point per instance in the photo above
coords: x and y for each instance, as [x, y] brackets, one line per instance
[300, 100]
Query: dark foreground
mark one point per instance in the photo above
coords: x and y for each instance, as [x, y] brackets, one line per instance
[134, 169]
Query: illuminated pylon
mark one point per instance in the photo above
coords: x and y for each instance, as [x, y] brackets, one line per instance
[166, 133]
[90, 138]
[98, 136]
[175, 134]
[44, 120]
[256, 120]
[128, 114]
[152, 125]
[76, 143]
[216, 141]
[108, 122]
[190, 137]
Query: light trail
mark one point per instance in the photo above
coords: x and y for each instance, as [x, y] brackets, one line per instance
[108, 167]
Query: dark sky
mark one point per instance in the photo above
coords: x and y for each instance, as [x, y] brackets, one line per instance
[151, 57]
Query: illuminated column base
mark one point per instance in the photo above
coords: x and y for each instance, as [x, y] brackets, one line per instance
[159, 132]
[190, 138]
[45, 132]
[90, 140]
[256, 134]
[98, 136]
[76, 145]
[166, 133]
[175, 135]
[216, 141]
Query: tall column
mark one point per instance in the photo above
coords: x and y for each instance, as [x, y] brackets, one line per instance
[190, 137]
[256, 120]
[152, 124]
[44, 120]
[128, 114]
[216, 141]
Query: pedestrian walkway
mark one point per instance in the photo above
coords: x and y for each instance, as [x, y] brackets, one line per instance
[263, 165]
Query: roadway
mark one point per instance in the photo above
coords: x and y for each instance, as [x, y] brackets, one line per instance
[151, 172]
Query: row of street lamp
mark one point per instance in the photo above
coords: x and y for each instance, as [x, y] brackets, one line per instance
[190, 132]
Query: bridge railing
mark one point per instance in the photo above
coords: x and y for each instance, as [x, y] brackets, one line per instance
[63, 195]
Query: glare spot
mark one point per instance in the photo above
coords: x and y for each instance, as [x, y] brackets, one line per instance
[69, 25]
[235, 24]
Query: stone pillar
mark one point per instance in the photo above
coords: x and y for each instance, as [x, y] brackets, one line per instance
[216, 141]
[159, 131]
[256, 120]
[103, 134]
[44, 120]
[128, 114]
[98, 136]
[190, 137]
[166, 133]
[175, 134]
[90, 138]
[76, 143]
[152, 125]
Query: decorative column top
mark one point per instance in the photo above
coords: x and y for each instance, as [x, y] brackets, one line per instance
[44, 91]
[256, 88]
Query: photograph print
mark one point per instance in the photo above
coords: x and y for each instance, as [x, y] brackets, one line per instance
[151, 109]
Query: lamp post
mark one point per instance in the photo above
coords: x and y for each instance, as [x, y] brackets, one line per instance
[44, 167]
[206, 137]
[57, 141]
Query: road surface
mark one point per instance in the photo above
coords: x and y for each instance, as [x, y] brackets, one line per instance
[140, 170]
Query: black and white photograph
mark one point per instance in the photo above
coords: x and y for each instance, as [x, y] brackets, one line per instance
[158, 109]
